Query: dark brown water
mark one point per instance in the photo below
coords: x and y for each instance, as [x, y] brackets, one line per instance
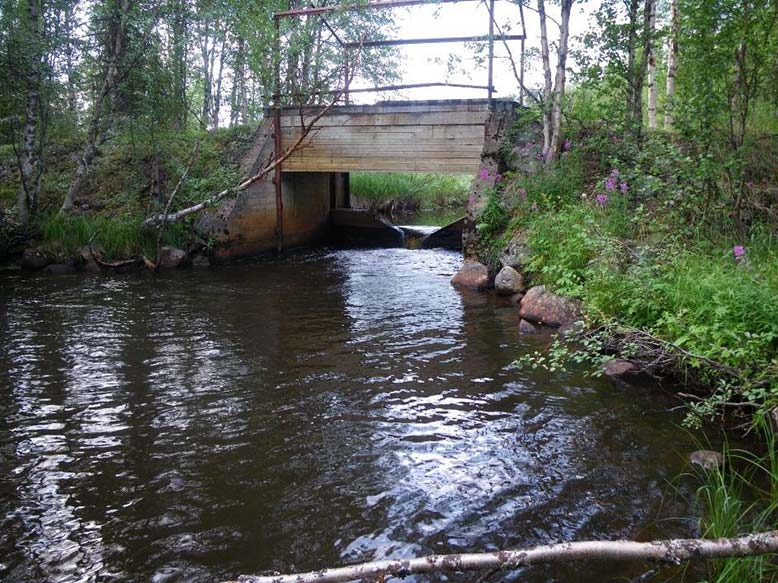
[294, 414]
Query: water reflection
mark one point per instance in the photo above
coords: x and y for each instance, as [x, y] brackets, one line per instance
[333, 406]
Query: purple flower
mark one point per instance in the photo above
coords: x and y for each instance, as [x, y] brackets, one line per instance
[612, 182]
[602, 200]
[750, 184]
[739, 252]
[523, 193]
[498, 177]
[623, 187]
[483, 174]
[567, 145]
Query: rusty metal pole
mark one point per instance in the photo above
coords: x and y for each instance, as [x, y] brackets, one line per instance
[277, 139]
[346, 75]
[490, 82]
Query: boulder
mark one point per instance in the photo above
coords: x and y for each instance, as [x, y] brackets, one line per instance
[516, 298]
[707, 459]
[618, 367]
[170, 257]
[473, 275]
[508, 282]
[516, 253]
[527, 328]
[32, 258]
[91, 266]
[542, 307]
[87, 252]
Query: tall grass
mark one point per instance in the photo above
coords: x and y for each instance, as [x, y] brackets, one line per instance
[119, 237]
[742, 498]
[382, 191]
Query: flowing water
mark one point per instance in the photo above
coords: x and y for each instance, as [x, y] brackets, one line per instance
[330, 407]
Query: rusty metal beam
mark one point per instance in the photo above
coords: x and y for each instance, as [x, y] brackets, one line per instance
[366, 6]
[435, 40]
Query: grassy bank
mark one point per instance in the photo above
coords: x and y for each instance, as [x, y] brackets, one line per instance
[130, 181]
[409, 191]
[645, 242]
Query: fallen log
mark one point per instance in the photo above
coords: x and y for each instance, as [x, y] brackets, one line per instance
[673, 551]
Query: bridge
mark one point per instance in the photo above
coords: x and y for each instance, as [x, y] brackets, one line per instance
[448, 136]
[307, 197]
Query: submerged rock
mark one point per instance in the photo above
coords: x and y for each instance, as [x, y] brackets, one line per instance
[67, 268]
[32, 258]
[527, 327]
[542, 307]
[619, 367]
[201, 261]
[170, 257]
[707, 459]
[508, 282]
[474, 275]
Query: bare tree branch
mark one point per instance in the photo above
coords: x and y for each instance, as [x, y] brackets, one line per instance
[672, 551]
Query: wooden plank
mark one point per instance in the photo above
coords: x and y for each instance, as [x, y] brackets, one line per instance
[394, 119]
[454, 165]
[448, 129]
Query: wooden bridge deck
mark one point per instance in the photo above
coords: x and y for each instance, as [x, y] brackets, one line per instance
[417, 136]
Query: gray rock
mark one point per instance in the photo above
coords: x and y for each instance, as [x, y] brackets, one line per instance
[516, 298]
[508, 282]
[527, 327]
[516, 253]
[32, 258]
[542, 307]
[170, 257]
[707, 459]
[200, 261]
[619, 367]
[91, 266]
[473, 275]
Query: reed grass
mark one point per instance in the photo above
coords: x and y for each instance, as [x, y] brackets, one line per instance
[409, 190]
[119, 237]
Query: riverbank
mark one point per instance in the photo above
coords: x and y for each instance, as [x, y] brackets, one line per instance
[665, 274]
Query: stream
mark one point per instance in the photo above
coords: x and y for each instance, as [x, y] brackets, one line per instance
[329, 407]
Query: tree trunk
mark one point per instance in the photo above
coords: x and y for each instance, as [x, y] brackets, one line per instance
[672, 63]
[205, 55]
[671, 552]
[29, 161]
[546, 78]
[652, 92]
[178, 57]
[559, 82]
[110, 78]
[217, 96]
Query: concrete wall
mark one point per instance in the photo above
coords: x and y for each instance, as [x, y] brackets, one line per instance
[247, 225]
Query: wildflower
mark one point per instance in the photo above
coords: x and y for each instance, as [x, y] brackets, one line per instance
[498, 177]
[483, 174]
[523, 193]
[534, 206]
[739, 252]
[613, 180]
[567, 145]
[750, 184]
[602, 200]
[623, 187]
